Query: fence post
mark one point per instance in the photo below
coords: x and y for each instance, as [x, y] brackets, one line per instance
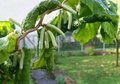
[103, 46]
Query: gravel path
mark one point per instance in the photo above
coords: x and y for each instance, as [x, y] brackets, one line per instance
[42, 77]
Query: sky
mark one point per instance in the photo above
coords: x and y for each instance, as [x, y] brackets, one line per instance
[16, 9]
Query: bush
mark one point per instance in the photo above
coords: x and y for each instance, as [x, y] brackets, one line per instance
[89, 50]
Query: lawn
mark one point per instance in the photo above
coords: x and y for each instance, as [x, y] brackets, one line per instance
[90, 69]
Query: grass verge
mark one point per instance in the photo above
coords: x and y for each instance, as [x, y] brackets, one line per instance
[90, 69]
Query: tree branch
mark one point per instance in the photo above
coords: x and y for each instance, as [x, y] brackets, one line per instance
[32, 29]
[23, 36]
[29, 31]
[41, 20]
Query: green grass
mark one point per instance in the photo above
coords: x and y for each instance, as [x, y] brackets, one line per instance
[90, 69]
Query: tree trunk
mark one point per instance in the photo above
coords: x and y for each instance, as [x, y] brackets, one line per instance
[23, 76]
[103, 46]
[117, 52]
[82, 48]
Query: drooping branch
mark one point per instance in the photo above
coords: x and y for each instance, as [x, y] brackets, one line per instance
[37, 26]
[41, 20]
[29, 31]
[68, 8]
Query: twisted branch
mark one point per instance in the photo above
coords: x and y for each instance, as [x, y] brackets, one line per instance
[33, 29]
[29, 31]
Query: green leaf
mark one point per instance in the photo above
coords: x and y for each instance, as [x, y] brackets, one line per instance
[6, 46]
[5, 27]
[55, 20]
[110, 29]
[84, 10]
[71, 3]
[3, 56]
[45, 60]
[5, 24]
[86, 32]
[8, 43]
[105, 37]
[97, 8]
[113, 7]
[108, 32]
[39, 62]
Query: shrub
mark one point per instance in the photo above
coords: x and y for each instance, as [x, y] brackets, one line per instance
[89, 50]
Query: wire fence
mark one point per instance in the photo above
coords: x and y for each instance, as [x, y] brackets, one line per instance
[70, 44]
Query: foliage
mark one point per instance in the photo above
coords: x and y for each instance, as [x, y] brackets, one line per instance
[97, 13]
[4, 56]
[89, 50]
[96, 8]
[94, 13]
[5, 28]
[7, 45]
[23, 75]
[71, 3]
[86, 32]
[89, 18]
[30, 20]
[108, 32]
[45, 60]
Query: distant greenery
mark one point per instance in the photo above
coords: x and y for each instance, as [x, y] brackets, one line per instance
[69, 53]
[90, 69]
